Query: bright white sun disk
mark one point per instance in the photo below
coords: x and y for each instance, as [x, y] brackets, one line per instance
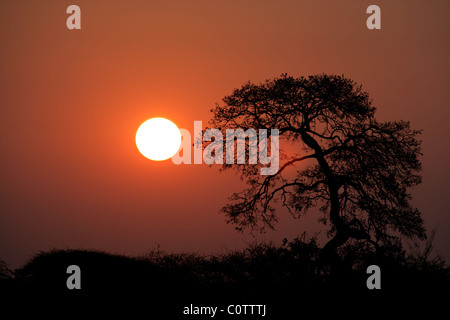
[158, 139]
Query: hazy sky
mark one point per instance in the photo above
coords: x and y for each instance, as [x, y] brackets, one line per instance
[72, 100]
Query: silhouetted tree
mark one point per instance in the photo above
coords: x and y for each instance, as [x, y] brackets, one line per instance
[356, 169]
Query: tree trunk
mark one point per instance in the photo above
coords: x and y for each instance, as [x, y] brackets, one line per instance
[328, 254]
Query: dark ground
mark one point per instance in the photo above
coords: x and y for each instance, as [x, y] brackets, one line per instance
[289, 279]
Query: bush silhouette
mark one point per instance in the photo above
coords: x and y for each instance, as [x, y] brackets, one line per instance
[280, 276]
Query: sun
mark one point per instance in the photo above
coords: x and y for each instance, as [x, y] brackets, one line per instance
[158, 139]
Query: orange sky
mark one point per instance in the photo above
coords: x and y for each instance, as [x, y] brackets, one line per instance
[71, 102]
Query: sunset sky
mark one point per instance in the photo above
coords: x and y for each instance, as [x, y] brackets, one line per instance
[72, 100]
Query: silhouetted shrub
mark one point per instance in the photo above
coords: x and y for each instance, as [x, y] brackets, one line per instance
[282, 276]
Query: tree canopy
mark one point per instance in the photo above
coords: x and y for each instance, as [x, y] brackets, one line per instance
[356, 169]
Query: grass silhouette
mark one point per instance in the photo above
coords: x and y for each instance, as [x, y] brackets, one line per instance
[289, 278]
